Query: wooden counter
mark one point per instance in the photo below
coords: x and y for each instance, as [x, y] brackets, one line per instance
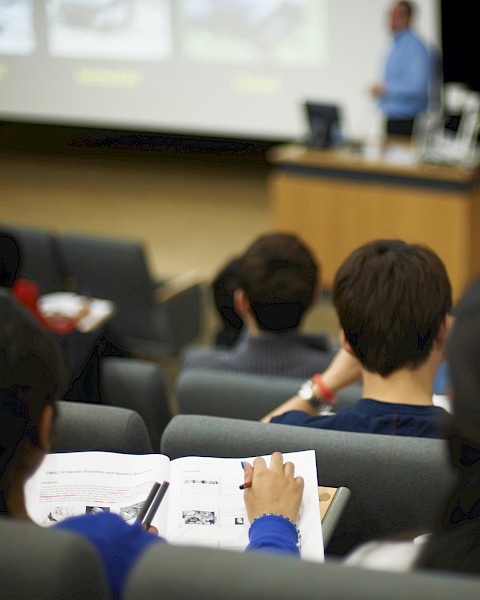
[338, 200]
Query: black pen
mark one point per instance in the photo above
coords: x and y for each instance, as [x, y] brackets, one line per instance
[146, 505]
[155, 504]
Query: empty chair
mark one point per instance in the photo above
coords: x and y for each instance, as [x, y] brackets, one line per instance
[48, 564]
[241, 395]
[82, 426]
[161, 572]
[397, 483]
[41, 260]
[151, 319]
[137, 385]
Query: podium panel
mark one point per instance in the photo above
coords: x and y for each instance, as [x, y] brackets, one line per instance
[337, 201]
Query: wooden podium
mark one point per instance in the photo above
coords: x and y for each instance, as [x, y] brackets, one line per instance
[337, 200]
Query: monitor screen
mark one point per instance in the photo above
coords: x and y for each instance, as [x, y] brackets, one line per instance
[324, 122]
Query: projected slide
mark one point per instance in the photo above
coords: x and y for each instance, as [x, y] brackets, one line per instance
[17, 31]
[251, 31]
[231, 68]
[111, 29]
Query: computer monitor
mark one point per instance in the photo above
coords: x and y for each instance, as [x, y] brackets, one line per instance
[324, 122]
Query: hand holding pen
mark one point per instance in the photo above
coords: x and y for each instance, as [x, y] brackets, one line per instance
[273, 489]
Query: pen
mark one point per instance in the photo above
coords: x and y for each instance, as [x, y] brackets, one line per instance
[244, 486]
[146, 505]
[155, 504]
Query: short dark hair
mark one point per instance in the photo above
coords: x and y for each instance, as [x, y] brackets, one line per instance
[279, 275]
[391, 298]
[31, 376]
[9, 259]
[224, 285]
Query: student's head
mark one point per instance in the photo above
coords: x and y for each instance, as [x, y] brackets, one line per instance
[31, 379]
[463, 357]
[391, 299]
[454, 546]
[9, 259]
[278, 277]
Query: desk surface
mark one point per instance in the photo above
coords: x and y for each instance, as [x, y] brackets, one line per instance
[325, 497]
[349, 161]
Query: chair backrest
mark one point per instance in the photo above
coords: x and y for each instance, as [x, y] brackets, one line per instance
[138, 385]
[241, 395]
[184, 315]
[81, 426]
[116, 270]
[48, 564]
[215, 574]
[41, 258]
[397, 484]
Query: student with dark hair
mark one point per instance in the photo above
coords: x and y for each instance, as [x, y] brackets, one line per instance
[81, 350]
[277, 282]
[393, 301]
[31, 380]
[454, 544]
[224, 285]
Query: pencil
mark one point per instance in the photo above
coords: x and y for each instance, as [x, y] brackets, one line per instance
[155, 504]
[244, 486]
[146, 505]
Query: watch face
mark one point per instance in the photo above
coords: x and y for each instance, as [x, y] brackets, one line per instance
[306, 390]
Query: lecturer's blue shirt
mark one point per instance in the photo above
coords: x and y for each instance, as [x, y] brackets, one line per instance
[407, 77]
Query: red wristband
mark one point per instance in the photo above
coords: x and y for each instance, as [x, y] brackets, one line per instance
[326, 393]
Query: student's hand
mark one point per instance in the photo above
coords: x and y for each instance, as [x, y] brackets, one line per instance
[274, 489]
[151, 529]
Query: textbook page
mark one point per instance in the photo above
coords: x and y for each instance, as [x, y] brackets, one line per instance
[206, 506]
[203, 504]
[76, 483]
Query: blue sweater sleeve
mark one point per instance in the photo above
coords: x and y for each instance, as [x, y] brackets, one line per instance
[118, 544]
[273, 533]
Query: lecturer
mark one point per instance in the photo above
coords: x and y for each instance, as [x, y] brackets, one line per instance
[405, 88]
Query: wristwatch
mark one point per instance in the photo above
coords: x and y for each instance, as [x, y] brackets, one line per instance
[306, 392]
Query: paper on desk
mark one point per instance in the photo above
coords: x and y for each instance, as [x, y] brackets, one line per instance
[68, 304]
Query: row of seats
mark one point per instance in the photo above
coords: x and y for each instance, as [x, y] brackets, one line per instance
[152, 318]
[241, 395]
[62, 565]
[396, 483]
[395, 486]
[141, 386]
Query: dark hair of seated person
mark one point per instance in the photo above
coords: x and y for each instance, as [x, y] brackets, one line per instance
[9, 259]
[391, 298]
[32, 375]
[224, 285]
[280, 278]
[455, 543]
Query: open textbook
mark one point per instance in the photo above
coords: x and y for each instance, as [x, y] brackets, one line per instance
[203, 505]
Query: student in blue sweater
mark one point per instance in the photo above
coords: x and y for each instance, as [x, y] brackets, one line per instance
[30, 381]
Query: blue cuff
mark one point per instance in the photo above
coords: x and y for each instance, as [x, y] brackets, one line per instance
[273, 533]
